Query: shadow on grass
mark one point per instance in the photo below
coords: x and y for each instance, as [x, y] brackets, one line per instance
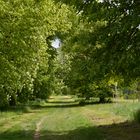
[63, 105]
[60, 104]
[82, 133]
[121, 131]
[17, 135]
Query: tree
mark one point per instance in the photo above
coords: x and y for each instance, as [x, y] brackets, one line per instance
[105, 42]
[24, 27]
[118, 33]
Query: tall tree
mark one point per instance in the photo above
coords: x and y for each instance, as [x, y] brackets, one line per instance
[106, 40]
[24, 27]
[115, 25]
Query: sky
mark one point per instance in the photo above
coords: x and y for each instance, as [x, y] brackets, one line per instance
[56, 43]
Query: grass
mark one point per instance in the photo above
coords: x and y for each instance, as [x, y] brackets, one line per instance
[58, 120]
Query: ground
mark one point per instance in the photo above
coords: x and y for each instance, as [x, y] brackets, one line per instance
[62, 119]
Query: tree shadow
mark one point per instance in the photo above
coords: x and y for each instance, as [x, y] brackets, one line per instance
[61, 102]
[64, 105]
[81, 133]
[17, 135]
[52, 104]
[67, 104]
[120, 131]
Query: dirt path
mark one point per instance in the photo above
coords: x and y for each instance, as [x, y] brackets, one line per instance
[38, 128]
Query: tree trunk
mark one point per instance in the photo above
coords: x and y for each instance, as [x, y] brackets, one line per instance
[102, 100]
[13, 100]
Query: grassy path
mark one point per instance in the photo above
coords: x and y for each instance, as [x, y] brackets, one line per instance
[67, 124]
[92, 122]
[38, 128]
[19, 126]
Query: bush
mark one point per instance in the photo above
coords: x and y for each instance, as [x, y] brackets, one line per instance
[82, 102]
[42, 88]
[27, 109]
[137, 116]
[4, 103]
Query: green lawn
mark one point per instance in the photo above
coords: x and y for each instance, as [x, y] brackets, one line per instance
[62, 119]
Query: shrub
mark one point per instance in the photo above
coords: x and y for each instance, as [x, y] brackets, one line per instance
[4, 103]
[137, 116]
[27, 109]
[82, 102]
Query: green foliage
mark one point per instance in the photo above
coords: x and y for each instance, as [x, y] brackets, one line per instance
[102, 90]
[3, 101]
[24, 27]
[60, 73]
[24, 95]
[100, 41]
[42, 88]
[103, 45]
